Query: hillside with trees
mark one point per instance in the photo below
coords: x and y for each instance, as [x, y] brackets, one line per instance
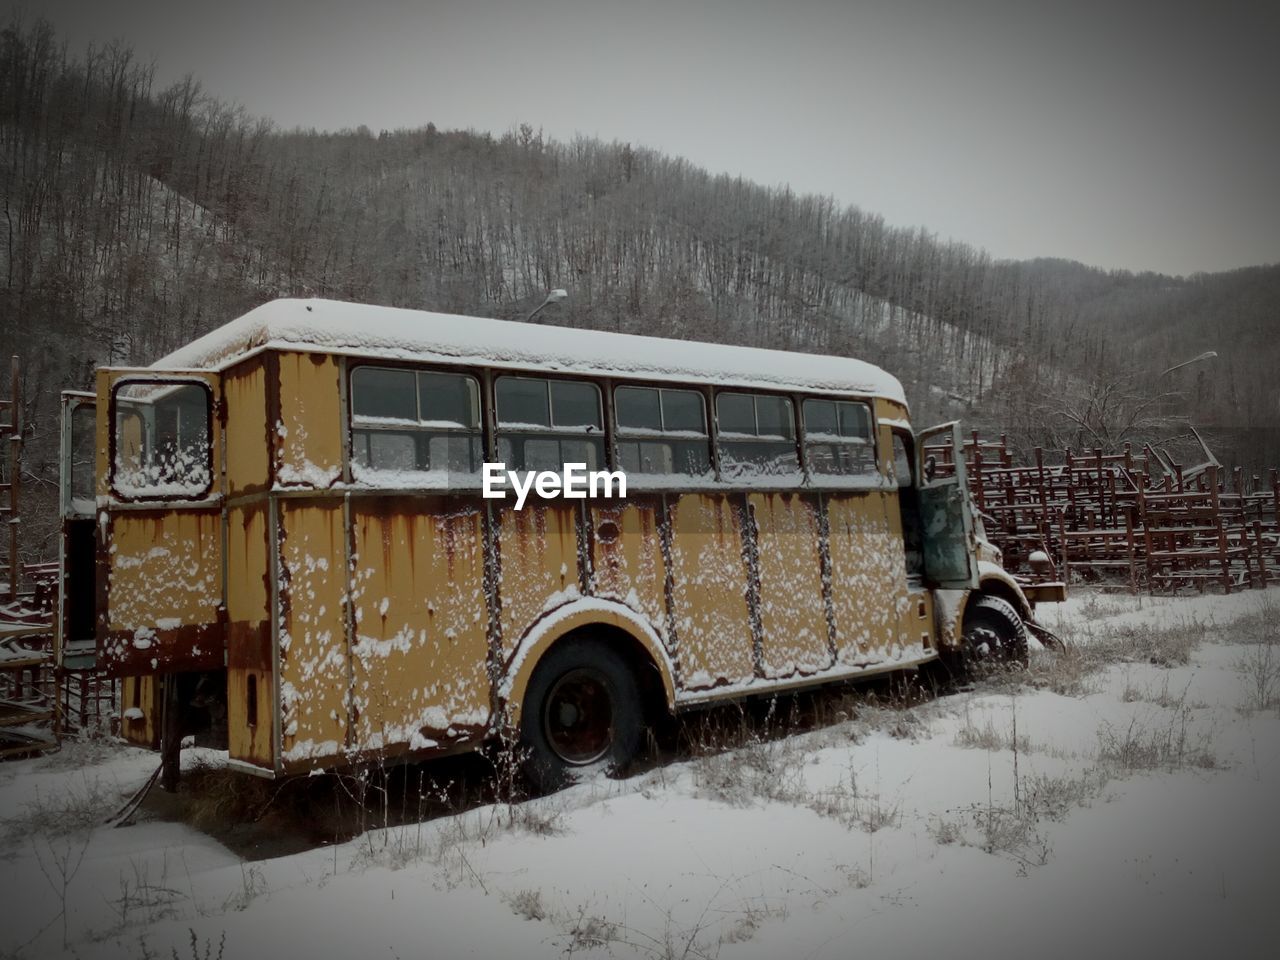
[137, 217]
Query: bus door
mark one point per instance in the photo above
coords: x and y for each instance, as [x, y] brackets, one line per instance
[947, 526]
[160, 600]
[77, 584]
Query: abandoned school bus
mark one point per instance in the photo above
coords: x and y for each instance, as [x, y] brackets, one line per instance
[278, 535]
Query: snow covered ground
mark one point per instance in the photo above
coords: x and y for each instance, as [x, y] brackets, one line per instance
[1118, 799]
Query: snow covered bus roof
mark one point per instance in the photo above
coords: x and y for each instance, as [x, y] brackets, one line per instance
[354, 329]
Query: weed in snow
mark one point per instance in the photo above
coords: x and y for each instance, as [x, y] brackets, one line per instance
[527, 904]
[1139, 748]
[1259, 668]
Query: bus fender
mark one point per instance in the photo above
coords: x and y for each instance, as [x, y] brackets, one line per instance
[574, 615]
[997, 581]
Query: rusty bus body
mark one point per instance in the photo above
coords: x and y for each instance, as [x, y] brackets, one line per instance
[260, 556]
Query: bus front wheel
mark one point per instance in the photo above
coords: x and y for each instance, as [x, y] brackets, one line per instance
[994, 636]
[581, 715]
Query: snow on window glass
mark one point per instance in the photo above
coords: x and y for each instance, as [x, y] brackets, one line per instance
[162, 445]
[544, 424]
[756, 436]
[838, 438]
[662, 431]
[415, 426]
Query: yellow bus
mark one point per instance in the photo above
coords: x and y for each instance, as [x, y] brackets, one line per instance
[285, 546]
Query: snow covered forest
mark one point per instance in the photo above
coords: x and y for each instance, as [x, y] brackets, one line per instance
[136, 218]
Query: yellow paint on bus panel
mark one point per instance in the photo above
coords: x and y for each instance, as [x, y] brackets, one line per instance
[248, 598]
[793, 616]
[314, 670]
[912, 630]
[245, 395]
[538, 547]
[249, 727]
[626, 557]
[309, 436]
[868, 575]
[140, 706]
[421, 622]
[165, 571]
[919, 617]
[709, 573]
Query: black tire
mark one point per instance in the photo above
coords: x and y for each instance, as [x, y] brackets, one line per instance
[581, 715]
[994, 635]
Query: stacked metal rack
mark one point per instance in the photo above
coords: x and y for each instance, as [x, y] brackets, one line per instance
[1135, 517]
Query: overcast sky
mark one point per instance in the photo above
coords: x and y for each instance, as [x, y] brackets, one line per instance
[1135, 135]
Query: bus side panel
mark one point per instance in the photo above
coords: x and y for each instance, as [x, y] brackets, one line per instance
[244, 391]
[538, 557]
[249, 658]
[140, 711]
[868, 575]
[626, 557]
[309, 434]
[163, 592]
[421, 649]
[793, 613]
[709, 591]
[314, 668]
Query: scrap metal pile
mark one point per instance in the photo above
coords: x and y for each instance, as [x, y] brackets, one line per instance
[27, 686]
[1134, 517]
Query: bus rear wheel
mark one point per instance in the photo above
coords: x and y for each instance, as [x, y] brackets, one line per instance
[581, 715]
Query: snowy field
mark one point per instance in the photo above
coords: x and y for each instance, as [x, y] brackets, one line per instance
[1117, 799]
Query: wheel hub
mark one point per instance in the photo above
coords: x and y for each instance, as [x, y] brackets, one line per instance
[578, 717]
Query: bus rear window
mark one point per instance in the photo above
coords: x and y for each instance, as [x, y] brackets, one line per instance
[161, 443]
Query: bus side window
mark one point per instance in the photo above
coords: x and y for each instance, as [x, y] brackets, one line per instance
[544, 424]
[838, 438]
[756, 436]
[420, 421]
[662, 431]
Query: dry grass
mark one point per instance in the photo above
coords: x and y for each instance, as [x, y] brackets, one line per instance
[213, 796]
[1259, 665]
[1069, 671]
[1139, 747]
[1259, 668]
[988, 737]
[527, 904]
[75, 809]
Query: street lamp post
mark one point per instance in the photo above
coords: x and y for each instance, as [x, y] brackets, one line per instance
[1207, 355]
[554, 296]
